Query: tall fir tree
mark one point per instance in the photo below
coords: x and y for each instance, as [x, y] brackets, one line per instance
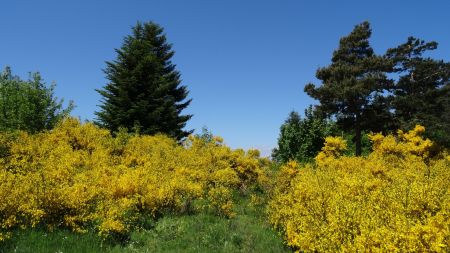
[353, 85]
[145, 88]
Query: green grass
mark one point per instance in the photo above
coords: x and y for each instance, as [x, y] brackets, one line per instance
[202, 232]
[34, 240]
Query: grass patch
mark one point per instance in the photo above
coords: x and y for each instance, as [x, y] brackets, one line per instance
[207, 233]
[37, 240]
[202, 232]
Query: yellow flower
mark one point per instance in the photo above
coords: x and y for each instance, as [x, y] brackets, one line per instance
[394, 200]
[78, 174]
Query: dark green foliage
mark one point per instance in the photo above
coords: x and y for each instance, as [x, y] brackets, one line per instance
[357, 92]
[28, 105]
[289, 139]
[422, 92]
[366, 144]
[301, 139]
[144, 91]
[353, 85]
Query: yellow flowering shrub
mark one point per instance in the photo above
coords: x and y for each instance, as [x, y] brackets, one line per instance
[333, 147]
[395, 200]
[78, 176]
[403, 145]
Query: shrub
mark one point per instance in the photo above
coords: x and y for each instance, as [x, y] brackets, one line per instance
[78, 176]
[395, 200]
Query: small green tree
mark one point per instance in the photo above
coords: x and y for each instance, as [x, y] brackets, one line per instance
[145, 89]
[29, 105]
[301, 139]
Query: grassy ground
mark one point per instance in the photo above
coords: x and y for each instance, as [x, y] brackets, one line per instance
[246, 232]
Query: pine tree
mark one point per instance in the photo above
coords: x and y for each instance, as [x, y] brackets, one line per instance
[353, 85]
[422, 91]
[144, 89]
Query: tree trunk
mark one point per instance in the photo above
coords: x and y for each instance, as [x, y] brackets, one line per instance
[357, 137]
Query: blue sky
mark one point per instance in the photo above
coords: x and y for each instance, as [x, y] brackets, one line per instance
[244, 62]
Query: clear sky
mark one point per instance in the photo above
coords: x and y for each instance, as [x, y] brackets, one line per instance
[244, 62]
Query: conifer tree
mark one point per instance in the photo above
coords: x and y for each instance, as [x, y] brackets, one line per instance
[422, 91]
[353, 85]
[144, 89]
